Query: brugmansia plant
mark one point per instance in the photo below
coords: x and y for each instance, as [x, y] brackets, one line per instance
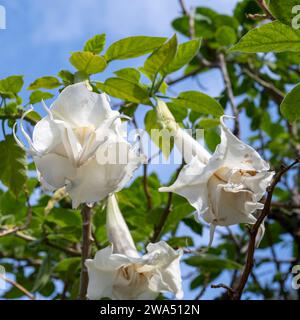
[81, 216]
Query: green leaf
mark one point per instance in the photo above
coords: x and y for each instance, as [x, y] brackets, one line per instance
[283, 10]
[95, 44]
[132, 47]
[226, 36]
[212, 262]
[45, 82]
[160, 137]
[271, 37]
[43, 275]
[211, 138]
[207, 123]
[66, 76]
[12, 165]
[161, 57]
[124, 89]
[290, 105]
[12, 84]
[129, 74]
[65, 217]
[88, 62]
[185, 53]
[65, 264]
[38, 96]
[199, 102]
[177, 242]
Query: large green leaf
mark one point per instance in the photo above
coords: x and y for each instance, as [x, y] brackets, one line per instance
[47, 82]
[161, 57]
[129, 74]
[95, 44]
[124, 89]
[88, 62]
[132, 47]
[12, 84]
[12, 165]
[290, 106]
[199, 102]
[226, 36]
[271, 37]
[185, 53]
[283, 10]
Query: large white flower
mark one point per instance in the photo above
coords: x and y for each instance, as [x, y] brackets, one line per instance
[79, 144]
[226, 187]
[119, 272]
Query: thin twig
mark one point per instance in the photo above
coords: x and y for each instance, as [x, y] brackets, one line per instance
[229, 90]
[16, 229]
[183, 7]
[86, 213]
[158, 228]
[145, 170]
[277, 94]
[224, 286]
[265, 9]
[18, 286]
[163, 218]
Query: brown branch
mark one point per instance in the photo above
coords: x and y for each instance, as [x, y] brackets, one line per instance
[277, 94]
[224, 286]
[229, 90]
[254, 230]
[86, 214]
[183, 7]
[18, 286]
[265, 9]
[185, 76]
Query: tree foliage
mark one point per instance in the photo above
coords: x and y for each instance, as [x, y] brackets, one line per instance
[257, 54]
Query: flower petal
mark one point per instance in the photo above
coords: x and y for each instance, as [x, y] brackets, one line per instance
[237, 154]
[46, 135]
[117, 229]
[189, 147]
[191, 184]
[100, 282]
[55, 169]
[81, 108]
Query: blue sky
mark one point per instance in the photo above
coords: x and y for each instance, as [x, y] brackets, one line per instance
[40, 36]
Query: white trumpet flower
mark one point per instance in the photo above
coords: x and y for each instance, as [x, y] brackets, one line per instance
[79, 145]
[120, 273]
[225, 188]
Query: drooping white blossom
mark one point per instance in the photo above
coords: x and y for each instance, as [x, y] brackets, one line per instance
[120, 273]
[79, 145]
[225, 187]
